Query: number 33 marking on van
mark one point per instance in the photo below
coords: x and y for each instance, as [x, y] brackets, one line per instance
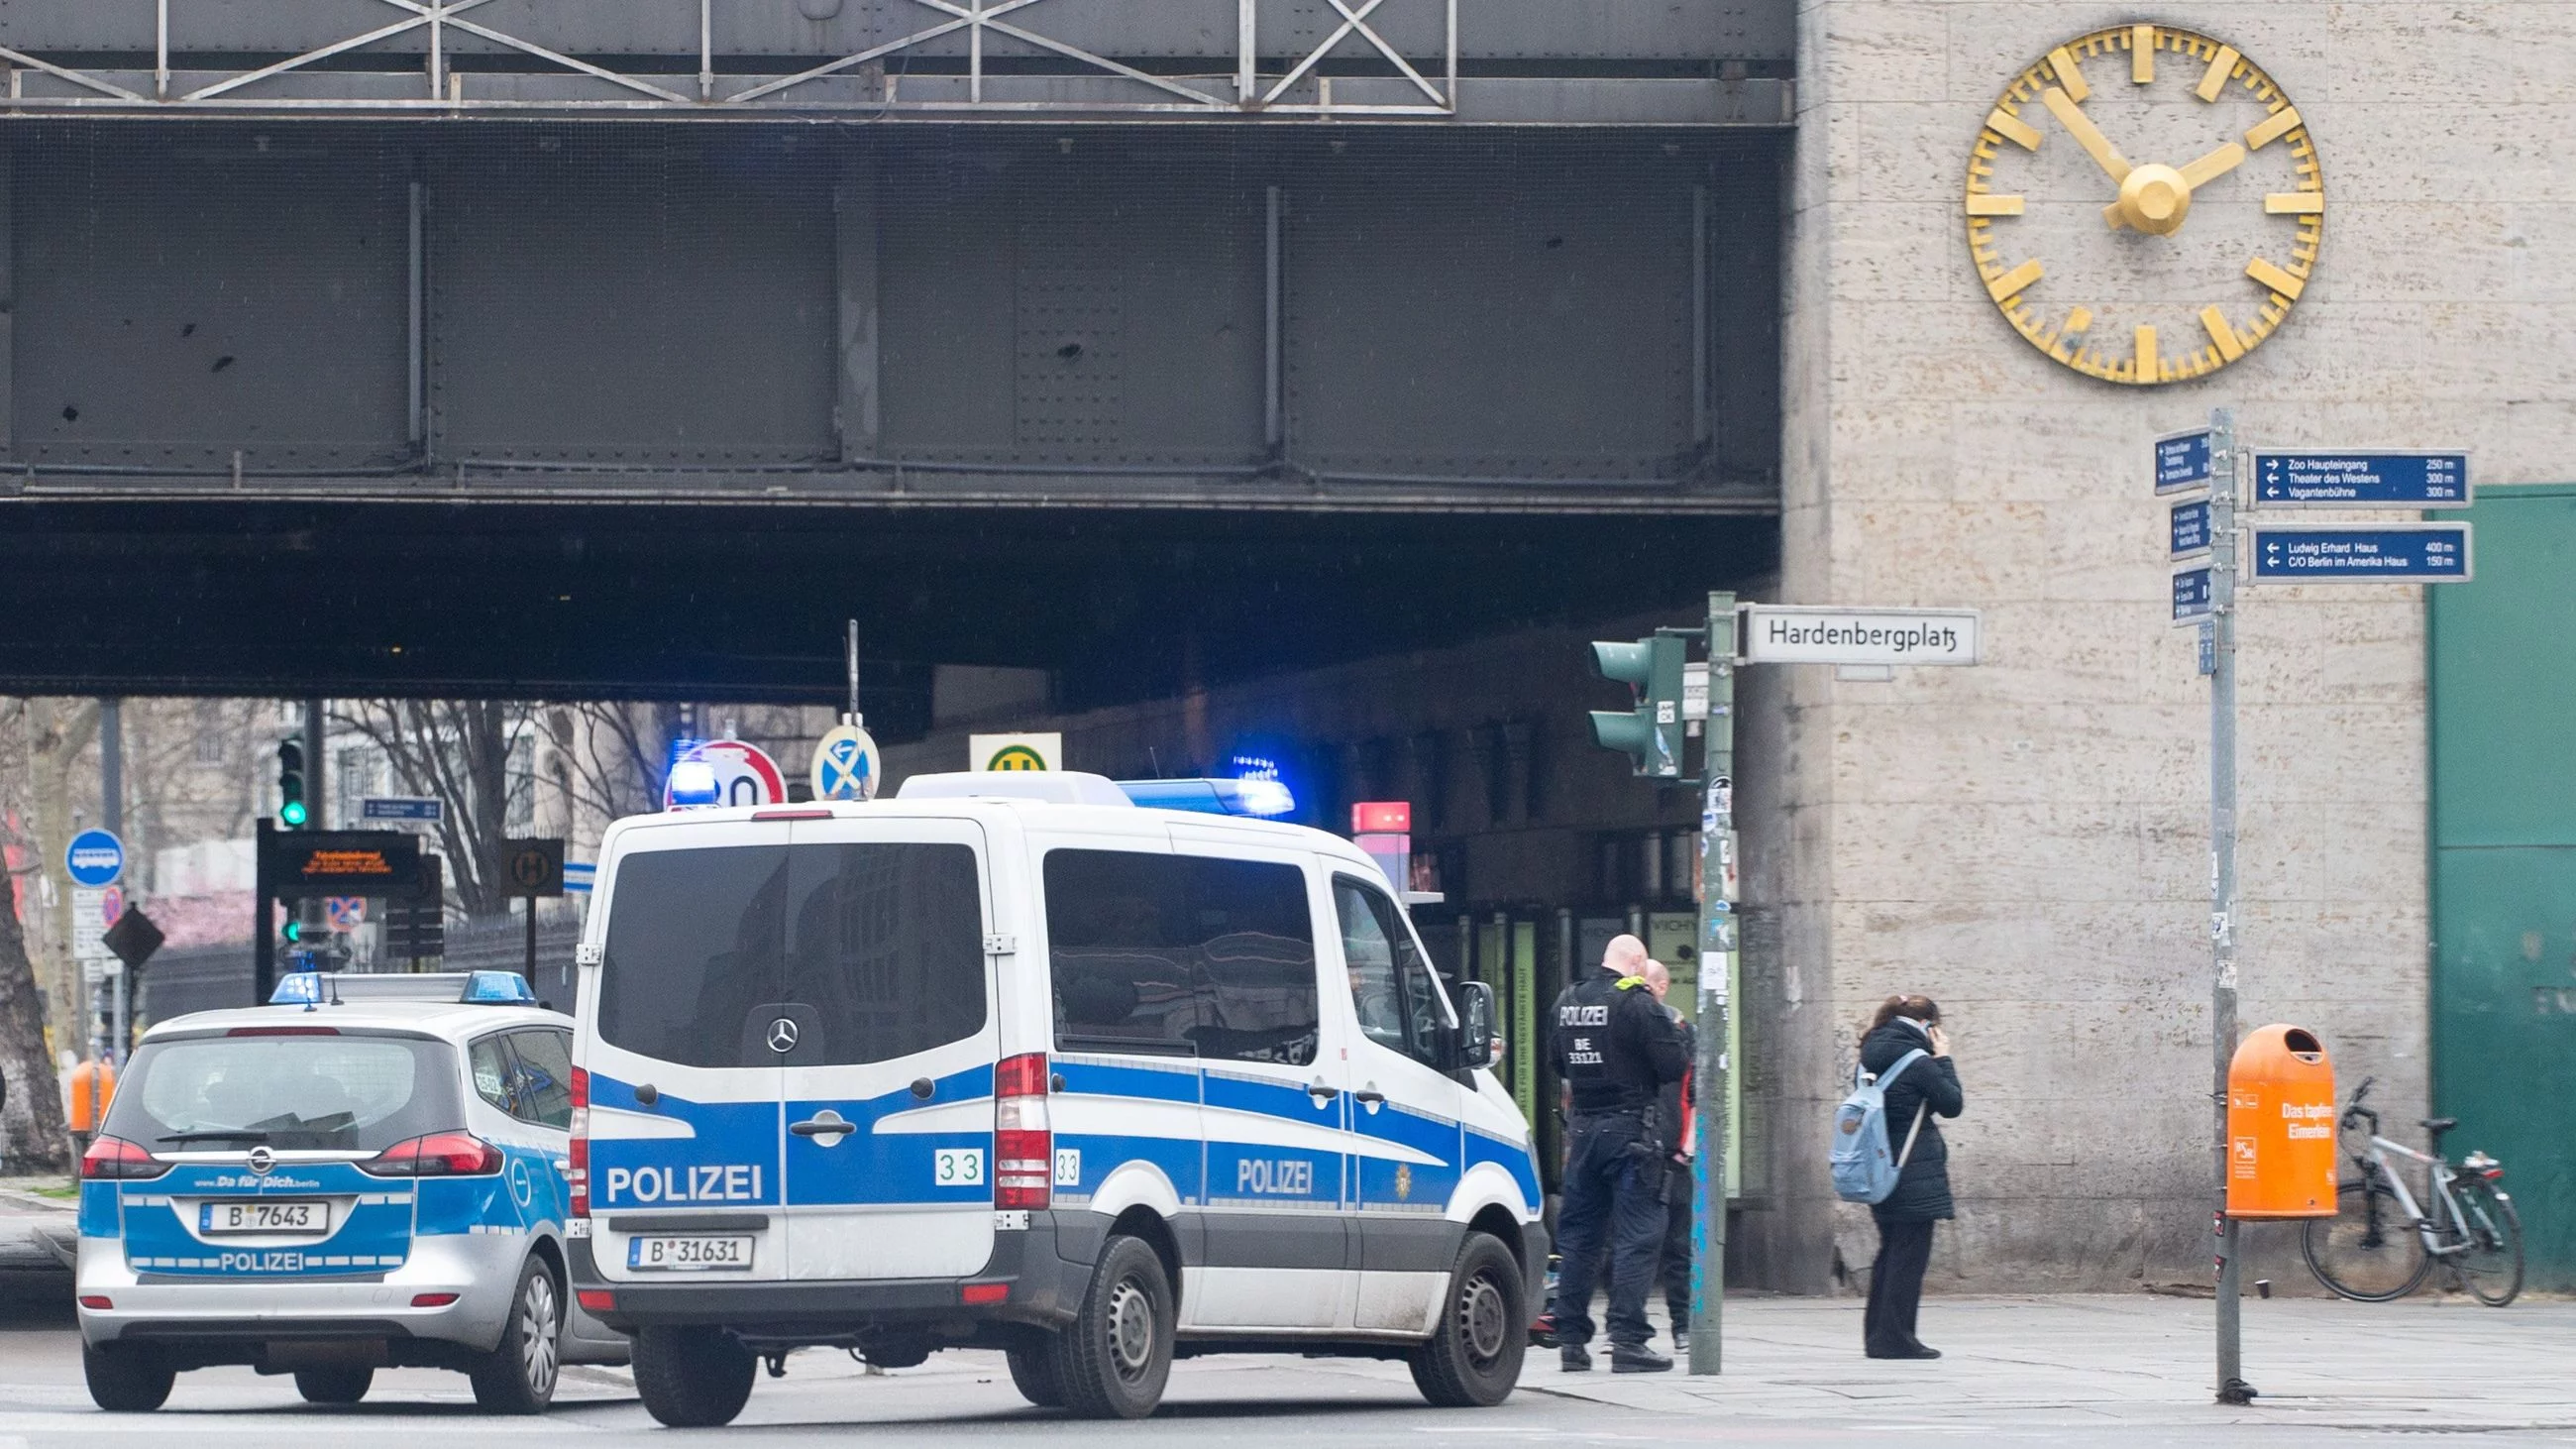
[957, 1166]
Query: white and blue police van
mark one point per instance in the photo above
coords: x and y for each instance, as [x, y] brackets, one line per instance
[1011, 1061]
[366, 1173]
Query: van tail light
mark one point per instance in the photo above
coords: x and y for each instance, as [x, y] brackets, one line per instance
[577, 1178]
[1023, 1142]
[114, 1157]
[440, 1154]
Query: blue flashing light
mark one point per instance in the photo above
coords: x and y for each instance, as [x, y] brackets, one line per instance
[297, 988]
[693, 783]
[498, 988]
[1262, 798]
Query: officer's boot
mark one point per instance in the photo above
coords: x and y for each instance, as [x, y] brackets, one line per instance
[1574, 1358]
[1636, 1358]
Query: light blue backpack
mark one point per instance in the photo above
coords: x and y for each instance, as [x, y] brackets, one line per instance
[1864, 1170]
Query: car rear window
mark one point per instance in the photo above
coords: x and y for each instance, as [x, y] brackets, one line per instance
[875, 950]
[348, 1092]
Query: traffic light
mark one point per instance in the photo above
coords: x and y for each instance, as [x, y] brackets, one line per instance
[291, 810]
[1650, 734]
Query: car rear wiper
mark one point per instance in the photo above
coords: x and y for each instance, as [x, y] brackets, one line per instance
[233, 1134]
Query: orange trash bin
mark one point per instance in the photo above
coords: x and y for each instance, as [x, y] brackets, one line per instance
[93, 1087]
[2282, 1125]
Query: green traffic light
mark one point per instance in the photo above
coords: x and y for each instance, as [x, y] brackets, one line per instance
[292, 812]
[294, 932]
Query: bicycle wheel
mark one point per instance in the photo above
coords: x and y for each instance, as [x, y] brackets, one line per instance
[2491, 1265]
[2369, 1250]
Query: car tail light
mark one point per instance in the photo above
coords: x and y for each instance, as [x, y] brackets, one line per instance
[1023, 1144]
[440, 1154]
[114, 1157]
[596, 1300]
[96, 1300]
[432, 1300]
[577, 1177]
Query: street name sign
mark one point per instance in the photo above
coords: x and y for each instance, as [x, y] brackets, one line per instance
[2360, 553]
[416, 808]
[2187, 529]
[1809, 634]
[2182, 461]
[2359, 478]
[2191, 595]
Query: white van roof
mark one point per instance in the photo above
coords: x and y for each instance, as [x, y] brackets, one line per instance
[1053, 787]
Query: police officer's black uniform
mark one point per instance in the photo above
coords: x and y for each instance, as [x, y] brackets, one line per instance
[1616, 1048]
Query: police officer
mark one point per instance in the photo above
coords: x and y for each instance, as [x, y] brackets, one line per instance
[1616, 1049]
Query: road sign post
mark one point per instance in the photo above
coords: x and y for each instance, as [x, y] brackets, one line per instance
[2232, 1387]
[1718, 943]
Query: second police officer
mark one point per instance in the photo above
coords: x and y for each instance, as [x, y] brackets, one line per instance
[1616, 1049]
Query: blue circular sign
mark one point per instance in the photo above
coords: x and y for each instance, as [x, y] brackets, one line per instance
[95, 858]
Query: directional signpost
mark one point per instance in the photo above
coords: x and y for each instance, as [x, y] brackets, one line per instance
[2280, 553]
[2402, 553]
[2360, 478]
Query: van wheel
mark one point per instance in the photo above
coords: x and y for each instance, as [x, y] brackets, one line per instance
[693, 1378]
[1114, 1358]
[1474, 1356]
[1033, 1373]
[333, 1385]
[126, 1380]
[518, 1375]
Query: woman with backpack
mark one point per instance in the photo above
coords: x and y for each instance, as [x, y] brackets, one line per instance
[1927, 1089]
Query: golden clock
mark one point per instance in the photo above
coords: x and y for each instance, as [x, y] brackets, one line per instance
[2144, 204]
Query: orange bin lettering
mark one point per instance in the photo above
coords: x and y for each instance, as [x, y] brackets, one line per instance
[2281, 1126]
[93, 1087]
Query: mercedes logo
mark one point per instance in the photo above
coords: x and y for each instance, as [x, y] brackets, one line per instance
[261, 1160]
[782, 1036]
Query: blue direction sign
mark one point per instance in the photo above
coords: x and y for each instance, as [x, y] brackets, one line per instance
[95, 858]
[401, 807]
[2182, 461]
[2360, 554]
[2187, 529]
[2360, 478]
[2190, 595]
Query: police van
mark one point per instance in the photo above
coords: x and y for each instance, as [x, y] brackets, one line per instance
[1012, 1061]
[366, 1173]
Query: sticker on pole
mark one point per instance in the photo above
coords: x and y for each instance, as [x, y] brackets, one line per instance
[724, 772]
[1802, 634]
[95, 858]
[847, 765]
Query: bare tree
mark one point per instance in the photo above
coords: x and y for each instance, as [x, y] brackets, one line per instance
[459, 752]
[31, 1121]
[611, 757]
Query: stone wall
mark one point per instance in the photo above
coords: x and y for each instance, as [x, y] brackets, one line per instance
[2027, 841]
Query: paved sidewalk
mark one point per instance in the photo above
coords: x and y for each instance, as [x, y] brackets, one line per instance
[35, 1233]
[2426, 1364]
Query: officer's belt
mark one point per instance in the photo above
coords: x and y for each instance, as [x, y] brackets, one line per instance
[1583, 1113]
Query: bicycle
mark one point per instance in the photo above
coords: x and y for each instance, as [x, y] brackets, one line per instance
[2380, 1245]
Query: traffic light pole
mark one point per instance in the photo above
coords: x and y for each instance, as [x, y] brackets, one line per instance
[1718, 942]
[111, 814]
[263, 918]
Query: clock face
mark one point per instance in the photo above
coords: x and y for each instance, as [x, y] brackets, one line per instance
[2144, 204]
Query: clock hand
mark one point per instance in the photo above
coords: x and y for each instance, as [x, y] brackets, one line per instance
[2154, 197]
[2212, 166]
[2086, 134]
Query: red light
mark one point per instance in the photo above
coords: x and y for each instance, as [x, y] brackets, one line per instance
[440, 1154]
[791, 815]
[284, 1031]
[984, 1292]
[1023, 1139]
[432, 1300]
[596, 1300]
[96, 1300]
[577, 1174]
[114, 1157]
[1382, 817]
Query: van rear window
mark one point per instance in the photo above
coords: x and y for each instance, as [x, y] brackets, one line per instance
[875, 951]
[1178, 955]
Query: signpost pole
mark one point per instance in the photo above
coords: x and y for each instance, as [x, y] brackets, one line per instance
[851, 650]
[111, 816]
[1717, 947]
[263, 917]
[2223, 487]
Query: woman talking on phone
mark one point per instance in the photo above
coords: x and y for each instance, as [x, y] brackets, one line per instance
[1924, 1092]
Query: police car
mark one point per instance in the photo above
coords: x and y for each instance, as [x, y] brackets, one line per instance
[366, 1173]
[1013, 1061]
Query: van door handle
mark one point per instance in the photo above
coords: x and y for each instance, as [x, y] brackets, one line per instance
[1322, 1091]
[821, 1127]
[1368, 1096]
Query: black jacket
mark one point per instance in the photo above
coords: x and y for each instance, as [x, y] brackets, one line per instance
[1612, 1043]
[1923, 1188]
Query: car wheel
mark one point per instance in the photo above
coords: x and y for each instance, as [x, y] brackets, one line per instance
[125, 1379]
[333, 1385]
[693, 1378]
[1114, 1358]
[1474, 1356]
[518, 1375]
[1033, 1373]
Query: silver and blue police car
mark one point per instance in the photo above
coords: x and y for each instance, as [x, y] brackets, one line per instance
[366, 1173]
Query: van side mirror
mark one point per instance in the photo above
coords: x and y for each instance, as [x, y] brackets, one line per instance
[1477, 1044]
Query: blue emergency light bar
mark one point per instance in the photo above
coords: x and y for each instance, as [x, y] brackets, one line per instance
[1260, 798]
[309, 989]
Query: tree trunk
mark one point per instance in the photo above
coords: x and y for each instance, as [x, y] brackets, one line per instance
[32, 1120]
